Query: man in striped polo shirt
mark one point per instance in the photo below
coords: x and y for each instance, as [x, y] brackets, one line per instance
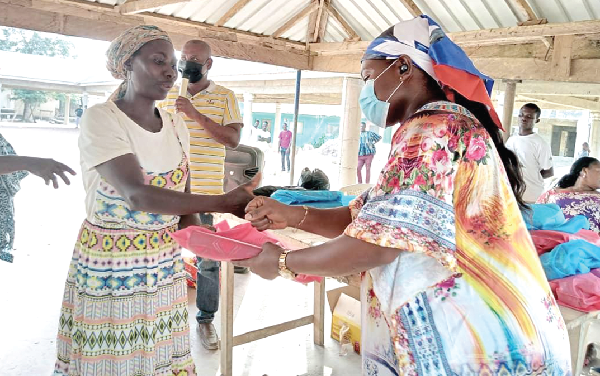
[212, 115]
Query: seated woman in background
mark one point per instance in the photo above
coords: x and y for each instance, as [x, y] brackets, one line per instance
[577, 194]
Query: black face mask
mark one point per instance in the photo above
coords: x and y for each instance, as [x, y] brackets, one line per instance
[190, 70]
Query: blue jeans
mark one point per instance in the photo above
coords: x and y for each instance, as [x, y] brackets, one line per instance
[285, 156]
[207, 283]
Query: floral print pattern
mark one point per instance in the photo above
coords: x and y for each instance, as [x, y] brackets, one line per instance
[475, 304]
[575, 203]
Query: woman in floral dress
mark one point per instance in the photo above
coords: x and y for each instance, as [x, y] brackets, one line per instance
[452, 284]
[577, 192]
[124, 309]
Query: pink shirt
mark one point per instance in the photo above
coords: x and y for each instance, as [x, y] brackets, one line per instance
[285, 139]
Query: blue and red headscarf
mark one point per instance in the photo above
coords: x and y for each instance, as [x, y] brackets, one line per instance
[423, 40]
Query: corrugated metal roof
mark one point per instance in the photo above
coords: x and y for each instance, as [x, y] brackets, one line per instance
[368, 18]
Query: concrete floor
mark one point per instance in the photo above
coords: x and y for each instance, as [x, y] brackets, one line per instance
[31, 288]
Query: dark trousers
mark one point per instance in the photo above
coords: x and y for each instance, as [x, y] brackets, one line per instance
[207, 283]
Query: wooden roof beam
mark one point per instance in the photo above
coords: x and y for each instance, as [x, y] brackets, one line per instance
[513, 68]
[106, 25]
[506, 35]
[138, 6]
[522, 10]
[296, 18]
[232, 12]
[89, 10]
[584, 104]
[321, 18]
[411, 7]
[561, 57]
[352, 35]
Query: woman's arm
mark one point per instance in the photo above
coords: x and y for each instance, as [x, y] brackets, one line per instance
[266, 213]
[47, 169]
[125, 174]
[189, 219]
[341, 256]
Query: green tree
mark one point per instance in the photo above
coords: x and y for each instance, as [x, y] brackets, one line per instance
[33, 43]
[31, 100]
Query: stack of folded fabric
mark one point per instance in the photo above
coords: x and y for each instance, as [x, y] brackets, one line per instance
[315, 199]
[570, 255]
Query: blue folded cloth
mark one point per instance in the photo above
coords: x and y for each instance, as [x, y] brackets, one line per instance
[315, 199]
[571, 258]
[551, 217]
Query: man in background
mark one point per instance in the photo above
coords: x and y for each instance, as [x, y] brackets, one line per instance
[285, 140]
[533, 152]
[212, 115]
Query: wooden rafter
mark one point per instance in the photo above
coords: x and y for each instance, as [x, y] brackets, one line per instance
[345, 25]
[296, 18]
[139, 6]
[321, 20]
[232, 12]
[88, 10]
[580, 103]
[561, 57]
[507, 35]
[317, 23]
[522, 10]
[412, 8]
[105, 23]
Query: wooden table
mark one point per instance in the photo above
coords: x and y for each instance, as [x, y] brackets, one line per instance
[299, 239]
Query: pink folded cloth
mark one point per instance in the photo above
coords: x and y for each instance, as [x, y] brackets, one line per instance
[227, 244]
[547, 240]
[580, 292]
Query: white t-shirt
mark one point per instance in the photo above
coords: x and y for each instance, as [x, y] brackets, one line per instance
[107, 133]
[262, 134]
[534, 155]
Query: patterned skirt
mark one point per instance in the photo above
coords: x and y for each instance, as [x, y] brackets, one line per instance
[124, 309]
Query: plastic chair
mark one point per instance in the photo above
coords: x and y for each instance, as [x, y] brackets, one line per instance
[355, 189]
[583, 328]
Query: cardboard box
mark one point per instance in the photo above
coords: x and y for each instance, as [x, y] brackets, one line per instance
[345, 307]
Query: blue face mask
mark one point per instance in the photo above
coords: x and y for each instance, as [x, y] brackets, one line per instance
[375, 110]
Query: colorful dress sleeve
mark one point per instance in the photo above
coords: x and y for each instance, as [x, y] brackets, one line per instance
[411, 207]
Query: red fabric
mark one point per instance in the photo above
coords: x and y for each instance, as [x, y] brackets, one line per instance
[227, 244]
[468, 85]
[580, 292]
[547, 240]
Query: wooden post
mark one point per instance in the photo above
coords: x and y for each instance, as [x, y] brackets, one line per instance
[509, 105]
[350, 130]
[295, 131]
[277, 124]
[226, 319]
[319, 314]
[67, 109]
[595, 134]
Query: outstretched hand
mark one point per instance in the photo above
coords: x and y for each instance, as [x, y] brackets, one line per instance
[49, 170]
[237, 199]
